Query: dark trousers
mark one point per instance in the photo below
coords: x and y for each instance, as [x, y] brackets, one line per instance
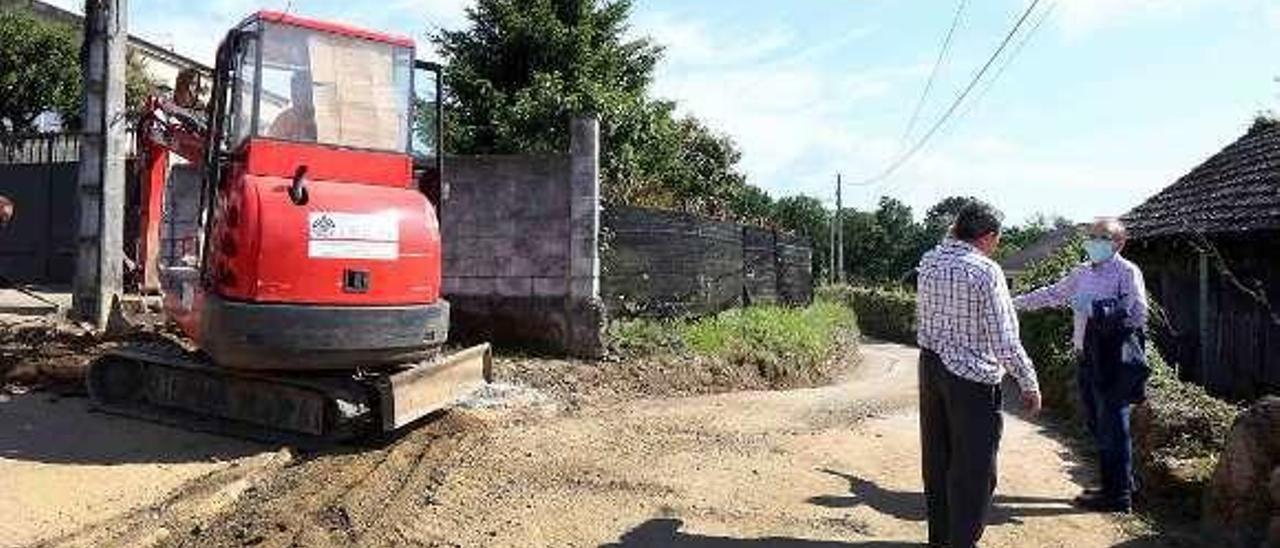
[960, 426]
[1108, 422]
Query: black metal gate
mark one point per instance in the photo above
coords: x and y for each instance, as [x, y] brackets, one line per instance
[38, 173]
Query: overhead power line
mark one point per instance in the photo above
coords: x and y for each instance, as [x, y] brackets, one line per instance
[995, 77]
[933, 73]
[955, 104]
[1013, 54]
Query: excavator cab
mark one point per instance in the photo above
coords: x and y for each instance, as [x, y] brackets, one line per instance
[319, 249]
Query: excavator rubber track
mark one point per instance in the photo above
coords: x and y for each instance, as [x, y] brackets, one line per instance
[162, 382]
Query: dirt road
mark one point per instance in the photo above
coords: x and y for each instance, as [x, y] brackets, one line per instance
[63, 468]
[831, 466]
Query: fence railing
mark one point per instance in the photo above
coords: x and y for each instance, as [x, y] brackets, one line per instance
[47, 148]
[40, 148]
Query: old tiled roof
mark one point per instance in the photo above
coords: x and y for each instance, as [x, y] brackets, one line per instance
[1236, 190]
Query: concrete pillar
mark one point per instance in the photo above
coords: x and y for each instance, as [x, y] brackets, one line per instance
[100, 187]
[583, 308]
[584, 208]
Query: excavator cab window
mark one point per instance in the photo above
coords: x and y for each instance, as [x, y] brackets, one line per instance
[428, 129]
[319, 87]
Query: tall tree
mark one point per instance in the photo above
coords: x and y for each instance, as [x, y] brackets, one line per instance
[753, 206]
[39, 70]
[523, 67]
[898, 251]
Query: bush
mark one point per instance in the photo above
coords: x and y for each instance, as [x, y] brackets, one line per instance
[1046, 334]
[1178, 434]
[884, 313]
[785, 346]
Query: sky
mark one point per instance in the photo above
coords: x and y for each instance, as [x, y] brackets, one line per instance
[1107, 102]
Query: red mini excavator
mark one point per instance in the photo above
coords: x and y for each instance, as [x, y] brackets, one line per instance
[295, 248]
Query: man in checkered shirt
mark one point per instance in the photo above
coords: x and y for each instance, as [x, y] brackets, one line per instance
[968, 336]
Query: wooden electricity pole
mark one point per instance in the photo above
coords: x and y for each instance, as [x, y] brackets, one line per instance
[839, 228]
[831, 249]
[103, 142]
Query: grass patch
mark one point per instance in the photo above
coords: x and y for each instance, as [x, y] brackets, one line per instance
[785, 346]
[781, 343]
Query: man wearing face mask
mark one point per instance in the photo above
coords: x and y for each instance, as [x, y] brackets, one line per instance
[1109, 304]
[968, 337]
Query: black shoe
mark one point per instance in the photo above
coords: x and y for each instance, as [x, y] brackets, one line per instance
[1100, 503]
[1091, 492]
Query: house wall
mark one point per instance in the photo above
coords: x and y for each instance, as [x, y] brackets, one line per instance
[1232, 345]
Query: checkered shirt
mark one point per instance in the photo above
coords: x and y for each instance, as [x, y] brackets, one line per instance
[965, 315]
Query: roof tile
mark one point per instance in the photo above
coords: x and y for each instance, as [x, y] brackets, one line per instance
[1236, 189]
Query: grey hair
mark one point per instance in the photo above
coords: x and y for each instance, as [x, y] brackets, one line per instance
[1112, 227]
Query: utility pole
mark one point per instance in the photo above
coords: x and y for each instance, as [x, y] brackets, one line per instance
[839, 228]
[100, 185]
[831, 249]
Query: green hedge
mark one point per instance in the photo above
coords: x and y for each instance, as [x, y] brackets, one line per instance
[883, 313]
[1046, 334]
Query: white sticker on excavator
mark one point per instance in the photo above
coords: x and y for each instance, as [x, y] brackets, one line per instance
[374, 236]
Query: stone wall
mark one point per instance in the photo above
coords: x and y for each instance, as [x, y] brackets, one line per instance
[521, 259]
[662, 263]
[1242, 504]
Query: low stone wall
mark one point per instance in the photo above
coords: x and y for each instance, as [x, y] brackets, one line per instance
[1243, 500]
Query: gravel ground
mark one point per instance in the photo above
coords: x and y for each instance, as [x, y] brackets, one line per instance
[827, 466]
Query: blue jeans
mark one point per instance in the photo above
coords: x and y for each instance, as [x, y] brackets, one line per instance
[1108, 422]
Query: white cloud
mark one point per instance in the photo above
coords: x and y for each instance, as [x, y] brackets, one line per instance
[1078, 18]
[691, 43]
[437, 13]
[73, 6]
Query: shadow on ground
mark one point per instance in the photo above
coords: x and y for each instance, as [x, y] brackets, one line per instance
[665, 532]
[909, 506]
[42, 427]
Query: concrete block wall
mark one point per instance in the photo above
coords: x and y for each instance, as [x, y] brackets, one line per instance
[663, 263]
[521, 247]
[794, 266]
[760, 272]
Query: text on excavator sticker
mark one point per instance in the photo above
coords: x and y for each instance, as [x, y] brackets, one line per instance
[374, 236]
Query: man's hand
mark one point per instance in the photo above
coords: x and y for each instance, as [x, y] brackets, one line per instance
[1032, 402]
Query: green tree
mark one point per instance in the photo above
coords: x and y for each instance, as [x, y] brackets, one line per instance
[900, 233]
[753, 206]
[138, 84]
[939, 217]
[39, 70]
[523, 67]
[806, 217]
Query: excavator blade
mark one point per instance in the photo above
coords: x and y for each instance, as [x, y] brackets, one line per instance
[431, 386]
[168, 385]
